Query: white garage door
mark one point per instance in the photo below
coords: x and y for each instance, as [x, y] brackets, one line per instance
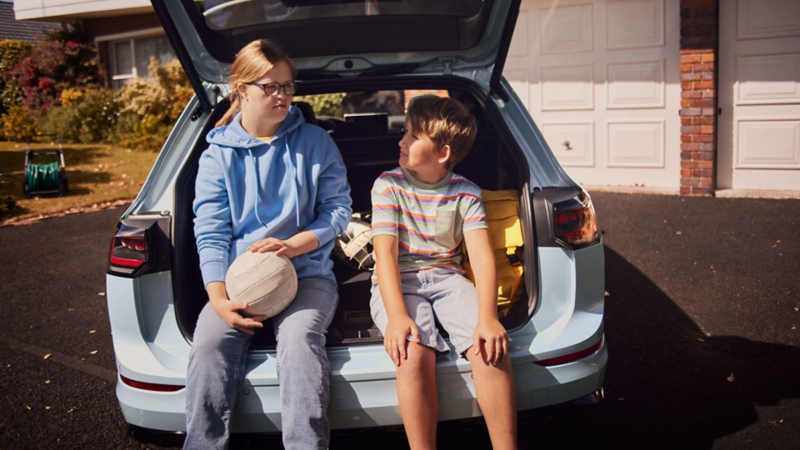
[601, 78]
[759, 95]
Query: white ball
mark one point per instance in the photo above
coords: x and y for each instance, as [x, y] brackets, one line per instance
[267, 283]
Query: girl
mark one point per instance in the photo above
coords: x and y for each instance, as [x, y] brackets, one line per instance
[267, 182]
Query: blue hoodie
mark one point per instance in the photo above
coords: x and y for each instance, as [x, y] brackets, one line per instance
[247, 190]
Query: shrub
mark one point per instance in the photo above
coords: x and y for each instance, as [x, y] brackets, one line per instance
[7, 204]
[152, 105]
[324, 104]
[90, 116]
[56, 63]
[11, 53]
[17, 123]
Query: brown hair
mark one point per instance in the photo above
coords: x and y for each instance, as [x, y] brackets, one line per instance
[446, 122]
[251, 63]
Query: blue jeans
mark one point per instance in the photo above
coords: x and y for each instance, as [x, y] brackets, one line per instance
[217, 369]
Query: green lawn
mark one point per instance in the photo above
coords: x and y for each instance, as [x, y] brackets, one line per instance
[97, 173]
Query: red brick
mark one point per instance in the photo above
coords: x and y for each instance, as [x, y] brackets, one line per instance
[707, 129]
[706, 103]
[703, 156]
[690, 182]
[686, 68]
[686, 121]
[690, 112]
[691, 147]
[690, 130]
[697, 85]
[686, 173]
[708, 147]
[688, 76]
[705, 138]
[686, 190]
[694, 40]
[708, 57]
[686, 138]
[692, 94]
[707, 75]
[708, 93]
[706, 164]
[708, 120]
[702, 173]
[709, 111]
[706, 182]
[704, 67]
[690, 59]
[690, 164]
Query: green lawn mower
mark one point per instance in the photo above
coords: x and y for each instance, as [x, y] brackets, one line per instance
[45, 172]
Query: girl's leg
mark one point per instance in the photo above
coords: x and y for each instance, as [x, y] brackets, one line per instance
[416, 393]
[216, 369]
[303, 368]
[497, 399]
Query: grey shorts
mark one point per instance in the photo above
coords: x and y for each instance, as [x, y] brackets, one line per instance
[435, 294]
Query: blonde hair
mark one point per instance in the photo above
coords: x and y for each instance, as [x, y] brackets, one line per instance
[446, 122]
[251, 63]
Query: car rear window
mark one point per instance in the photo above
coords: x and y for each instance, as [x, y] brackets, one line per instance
[228, 14]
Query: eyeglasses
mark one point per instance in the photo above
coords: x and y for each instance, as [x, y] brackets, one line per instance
[273, 89]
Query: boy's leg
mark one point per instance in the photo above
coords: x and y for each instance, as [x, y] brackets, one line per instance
[497, 398]
[303, 368]
[216, 369]
[416, 375]
[455, 301]
[416, 394]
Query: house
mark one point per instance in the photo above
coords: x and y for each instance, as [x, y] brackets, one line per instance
[11, 28]
[697, 97]
[126, 32]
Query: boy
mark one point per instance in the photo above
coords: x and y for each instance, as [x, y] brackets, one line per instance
[421, 211]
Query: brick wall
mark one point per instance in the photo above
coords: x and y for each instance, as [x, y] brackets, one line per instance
[699, 52]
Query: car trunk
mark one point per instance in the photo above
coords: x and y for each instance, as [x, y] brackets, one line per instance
[494, 163]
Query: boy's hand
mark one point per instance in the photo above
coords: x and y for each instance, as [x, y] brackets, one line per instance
[494, 338]
[395, 340]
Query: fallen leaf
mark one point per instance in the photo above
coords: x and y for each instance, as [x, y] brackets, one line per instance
[72, 409]
[46, 407]
[29, 408]
[701, 340]
[101, 294]
[607, 294]
[47, 355]
[92, 331]
[47, 382]
[93, 352]
[731, 378]
[71, 309]
[678, 232]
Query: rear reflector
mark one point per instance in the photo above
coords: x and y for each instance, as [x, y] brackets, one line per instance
[571, 357]
[150, 386]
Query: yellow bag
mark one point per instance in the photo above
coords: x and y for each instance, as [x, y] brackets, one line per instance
[505, 230]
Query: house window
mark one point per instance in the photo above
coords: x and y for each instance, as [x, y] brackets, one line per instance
[130, 57]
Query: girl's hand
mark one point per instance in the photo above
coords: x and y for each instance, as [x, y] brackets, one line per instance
[278, 246]
[228, 310]
[494, 338]
[395, 340]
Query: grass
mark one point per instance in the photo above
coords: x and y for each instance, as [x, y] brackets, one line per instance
[97, 174]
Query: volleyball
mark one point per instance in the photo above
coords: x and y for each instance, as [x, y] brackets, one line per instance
[267, 283]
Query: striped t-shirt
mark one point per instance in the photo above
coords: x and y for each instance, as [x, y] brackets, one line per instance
[429, 220]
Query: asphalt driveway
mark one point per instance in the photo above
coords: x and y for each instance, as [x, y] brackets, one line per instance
[702, 316]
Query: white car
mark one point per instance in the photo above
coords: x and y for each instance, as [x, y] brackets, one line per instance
[374, 56]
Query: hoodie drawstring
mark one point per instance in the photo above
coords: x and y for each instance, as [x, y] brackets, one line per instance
[294, 185]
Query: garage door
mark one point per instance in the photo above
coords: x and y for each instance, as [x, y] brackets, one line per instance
[601, 79]
[759, 95]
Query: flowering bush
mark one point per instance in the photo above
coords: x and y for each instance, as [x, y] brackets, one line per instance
[17, 123]
[55, 64]
[11, 53]
[153, 105]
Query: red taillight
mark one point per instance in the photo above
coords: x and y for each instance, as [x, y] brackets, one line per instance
[128, 251]
[150, 386]
[575, 222]
[572, 356]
